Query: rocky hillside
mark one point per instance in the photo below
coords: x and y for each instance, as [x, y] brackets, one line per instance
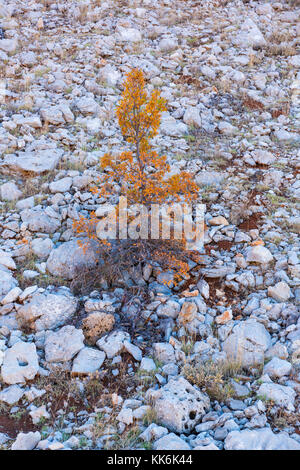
[213, 362]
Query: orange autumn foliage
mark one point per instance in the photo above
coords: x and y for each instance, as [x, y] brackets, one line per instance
[140, 174]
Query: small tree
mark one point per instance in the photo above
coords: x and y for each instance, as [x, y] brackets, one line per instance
[140, 175]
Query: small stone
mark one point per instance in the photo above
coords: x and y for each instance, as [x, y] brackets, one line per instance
[11, 395]
[280, 292]
[259, 254]
[10, 192]
[171, 442]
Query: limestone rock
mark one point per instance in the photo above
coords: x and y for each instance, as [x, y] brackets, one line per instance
[247, 343]
[171, 442]
[26, 441]
[282, 395]
[113, 343]
[20, 363]
[259, 439]
[87, 361]
[179, 406]
[31, 162]
[64, 344]
[48, 310]
[64, 260]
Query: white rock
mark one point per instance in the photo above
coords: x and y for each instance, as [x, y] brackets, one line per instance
[263, 157]
[38, 413]
[247, 343]
[48, 310]
[147, 364]
[125, 416]
[11, 296]
[164, 352]
[249, 35]
[168, 45]
[153, 432]
[109, 75]
[259, 254]
[11, 395]
[52, 115]
[226, 128]
[170, 309]
[8, 45]
[26, 441]
[31, 162]
[282, 395]
[169, 126]
[280, 292]
[10, 192]
[64, 344]
[113, 343]
[42, 247]
[178, 405]
[87, 105]
[129, 34]
[133, 350]
[20, 363]
[171, 442]
[64, 260]
[7, 261]
[61, 186]
[277, 368]
[192, 117]
[87, 361]
[259, 439]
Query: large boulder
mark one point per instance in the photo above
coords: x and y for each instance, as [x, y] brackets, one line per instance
[48, 310]
[247, 343]
[20, 363]
[68, 257]
[179, 406]
[259, 439]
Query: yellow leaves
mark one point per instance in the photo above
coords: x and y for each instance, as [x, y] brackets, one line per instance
[138, 116]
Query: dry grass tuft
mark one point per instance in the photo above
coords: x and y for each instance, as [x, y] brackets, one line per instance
[213, 378]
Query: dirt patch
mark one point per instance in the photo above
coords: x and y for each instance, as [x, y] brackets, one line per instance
[252, 222]
[12, 426]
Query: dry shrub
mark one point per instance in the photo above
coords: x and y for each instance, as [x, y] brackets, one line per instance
[96, 324]
[284, 50]
[213, 378]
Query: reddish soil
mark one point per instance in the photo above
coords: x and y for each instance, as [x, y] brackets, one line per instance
[12, 426]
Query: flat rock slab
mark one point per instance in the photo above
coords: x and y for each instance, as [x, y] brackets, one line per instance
[31, 162]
